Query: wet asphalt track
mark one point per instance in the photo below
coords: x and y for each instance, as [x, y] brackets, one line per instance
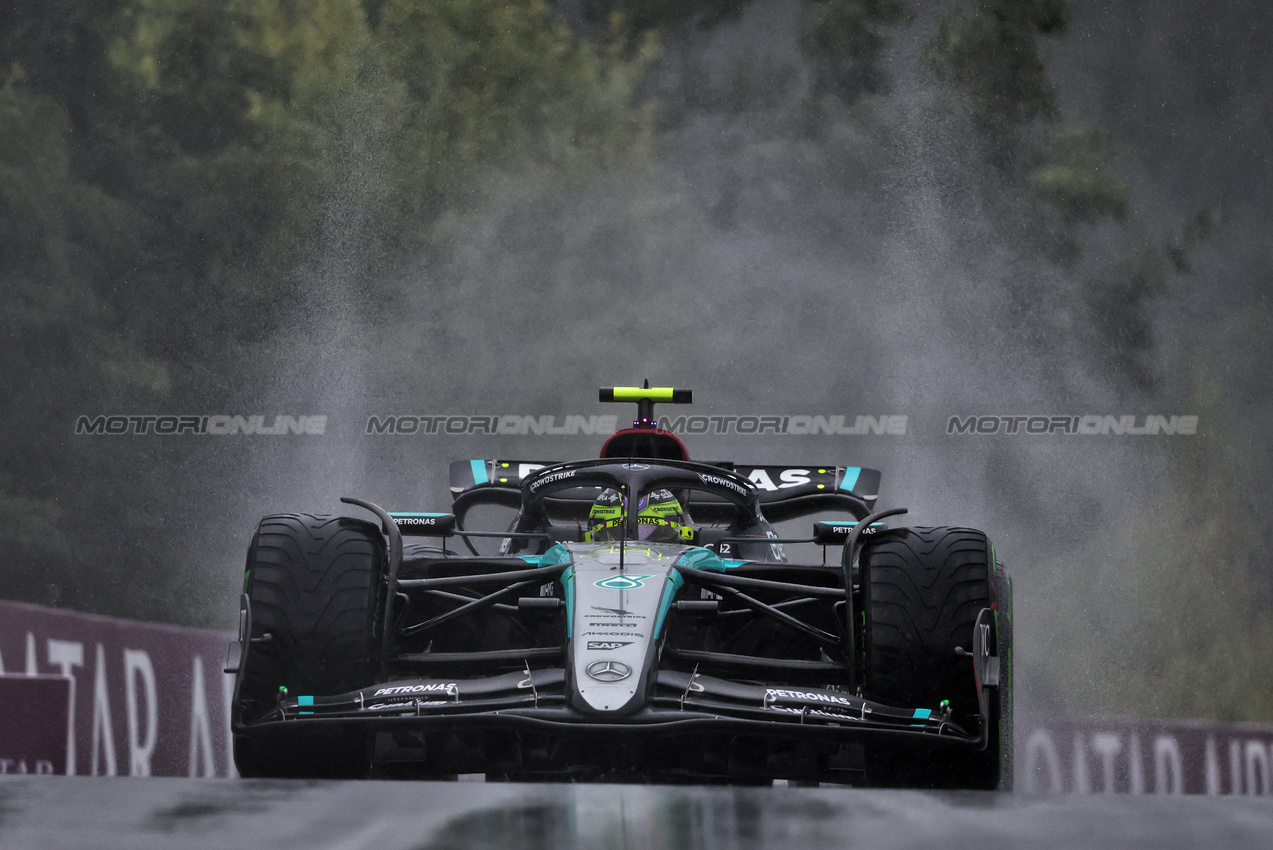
[58, 812]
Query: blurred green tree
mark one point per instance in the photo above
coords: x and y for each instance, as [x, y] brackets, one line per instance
[174, 174]
[988, 56]
[845, 41]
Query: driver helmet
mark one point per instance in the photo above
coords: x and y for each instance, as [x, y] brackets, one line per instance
[660, 518]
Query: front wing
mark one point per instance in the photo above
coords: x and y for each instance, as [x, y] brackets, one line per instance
[537, 700]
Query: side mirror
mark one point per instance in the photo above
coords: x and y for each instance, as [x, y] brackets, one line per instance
[831, 533]
[424, 525]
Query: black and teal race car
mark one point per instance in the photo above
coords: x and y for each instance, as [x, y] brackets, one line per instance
[638, 620]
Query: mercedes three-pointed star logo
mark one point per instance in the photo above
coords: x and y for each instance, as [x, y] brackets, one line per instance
[609, 671]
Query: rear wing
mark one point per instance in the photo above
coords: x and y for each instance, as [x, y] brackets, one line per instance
[785, 491]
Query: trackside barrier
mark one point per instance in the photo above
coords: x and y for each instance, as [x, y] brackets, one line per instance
[35, 723]
[93, 695]
[1144, 757]
[100, 696]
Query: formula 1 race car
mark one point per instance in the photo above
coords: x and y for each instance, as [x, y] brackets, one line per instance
[639, 621]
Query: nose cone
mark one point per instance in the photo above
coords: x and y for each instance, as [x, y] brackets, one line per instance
[612, 654]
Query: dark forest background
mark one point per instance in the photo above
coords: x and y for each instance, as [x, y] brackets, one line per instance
[793, 206]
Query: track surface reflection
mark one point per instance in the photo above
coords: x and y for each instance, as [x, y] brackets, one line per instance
[79, 812]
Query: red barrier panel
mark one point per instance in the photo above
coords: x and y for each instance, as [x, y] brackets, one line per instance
[36, 714]
[148, 699]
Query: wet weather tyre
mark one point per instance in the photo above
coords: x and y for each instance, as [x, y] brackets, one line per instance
[921, 592]
[315, 585]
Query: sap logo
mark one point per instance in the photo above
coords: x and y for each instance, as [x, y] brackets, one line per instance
[608, 644]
